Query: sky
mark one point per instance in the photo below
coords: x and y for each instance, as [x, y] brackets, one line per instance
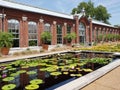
[66, 6]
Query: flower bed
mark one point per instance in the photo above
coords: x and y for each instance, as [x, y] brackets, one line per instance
[102, 47]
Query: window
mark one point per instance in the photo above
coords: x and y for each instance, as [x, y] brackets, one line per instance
[82, 29]
[13, 27]
[93, 33]
[59, 34]
[47, 27]
[68, 29]
[97, 33]
[32, 33]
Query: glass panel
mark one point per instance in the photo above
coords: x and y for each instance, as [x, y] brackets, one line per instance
[68, 29]
[32, 42]
[59, 34]
[47, 27]
[13, 27]
[82, 32]
[32, 33]
[15, 42]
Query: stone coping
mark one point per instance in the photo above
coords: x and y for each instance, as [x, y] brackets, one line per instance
[87, 51]
[30, 56]
[89, 78]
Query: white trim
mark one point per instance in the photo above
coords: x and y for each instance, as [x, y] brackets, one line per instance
[41, 20]
[54, 22]
[24, 18]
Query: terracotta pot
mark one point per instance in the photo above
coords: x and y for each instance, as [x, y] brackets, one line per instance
[5, 51]
[68, 44]
[45, 46]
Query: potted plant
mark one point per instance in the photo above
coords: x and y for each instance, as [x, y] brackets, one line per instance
[6, 41]
[69, 37]
[46, 39]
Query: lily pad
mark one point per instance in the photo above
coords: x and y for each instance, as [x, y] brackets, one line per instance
[56, 73]
[48, 65]
[81, 64]
[32, 87]
[78, 75]
[14, 74]
[8, 79]
[9, 87]
[36, 81]
[42, 64]
[21, 71]
[12, 69]
[31, 72]
[25, 67]
[42, 69]
[51, 69]
[72, 70]
[79, 69]
[72, 75]
[87, 70]
[33, 65]
[65, 73]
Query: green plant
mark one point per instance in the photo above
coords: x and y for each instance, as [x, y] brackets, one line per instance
[46, 37]
[100, 37]
[32, 43]
[6, 39]
[70, 36]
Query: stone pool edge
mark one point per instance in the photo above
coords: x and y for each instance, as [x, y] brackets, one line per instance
[30, 56]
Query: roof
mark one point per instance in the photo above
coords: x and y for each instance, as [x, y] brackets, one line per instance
[15, 5]
[101, 23]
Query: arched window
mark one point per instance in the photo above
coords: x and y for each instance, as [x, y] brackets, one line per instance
[32, 33]
[81, 29]
[47, 27]
[82, 32]
[13, 27]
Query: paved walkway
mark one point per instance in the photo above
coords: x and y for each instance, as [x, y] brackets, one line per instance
[110, 81]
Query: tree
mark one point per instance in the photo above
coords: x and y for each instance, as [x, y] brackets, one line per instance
[89, 8]
[99, 13]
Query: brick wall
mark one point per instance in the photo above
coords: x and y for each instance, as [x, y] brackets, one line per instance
[40, 19]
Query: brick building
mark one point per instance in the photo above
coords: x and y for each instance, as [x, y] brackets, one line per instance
[27, 23]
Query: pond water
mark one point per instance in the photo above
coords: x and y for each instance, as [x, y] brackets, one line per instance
[43, 72]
